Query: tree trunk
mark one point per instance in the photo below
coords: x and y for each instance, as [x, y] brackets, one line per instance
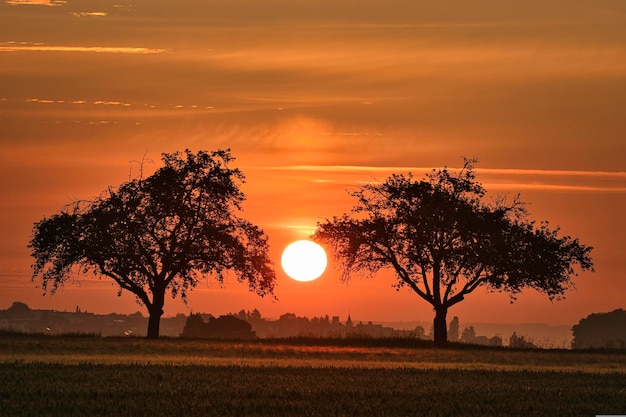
[440, 327]
[154, 323]
[155, 311]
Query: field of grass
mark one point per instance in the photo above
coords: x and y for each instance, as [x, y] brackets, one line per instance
[67, 376]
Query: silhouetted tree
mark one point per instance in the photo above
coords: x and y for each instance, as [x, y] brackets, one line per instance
[159, 234]
[18, 308]
[453, 330]
[468, 335]
[223, 327]
[420, 333]
[601, 330]
[443, 241]
[520, 342]
[229, 327]
[254, 315]
[195, 327]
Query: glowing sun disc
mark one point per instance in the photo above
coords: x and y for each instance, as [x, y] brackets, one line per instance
[304, 260]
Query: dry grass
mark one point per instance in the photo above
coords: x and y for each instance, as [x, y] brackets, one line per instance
[76, 376]
[308, 353]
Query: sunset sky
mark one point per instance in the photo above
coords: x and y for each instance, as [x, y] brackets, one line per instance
[315, 97]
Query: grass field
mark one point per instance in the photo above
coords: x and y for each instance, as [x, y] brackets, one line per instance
[71, 376]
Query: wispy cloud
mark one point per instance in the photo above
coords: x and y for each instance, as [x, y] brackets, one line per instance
[399, 60]
[36, 2]
[97, 102]
[111, 103]
[16, 47]
[508, 171]
[562, 173]
[43, 101]
[554, 187]
[496, 178]
[89, 14]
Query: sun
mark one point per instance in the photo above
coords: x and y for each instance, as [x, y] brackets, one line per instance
[304, 260]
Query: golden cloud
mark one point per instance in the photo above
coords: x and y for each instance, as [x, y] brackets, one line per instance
[89, 14]
[37, 2]
[14, 47]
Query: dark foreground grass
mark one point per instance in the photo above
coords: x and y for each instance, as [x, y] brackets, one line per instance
[92, 376]
[48, 389]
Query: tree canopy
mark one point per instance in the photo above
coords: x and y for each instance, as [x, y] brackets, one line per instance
[601, 331]
[444, 240]
[159, 234]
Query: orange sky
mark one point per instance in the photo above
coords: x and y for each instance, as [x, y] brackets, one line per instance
[313, 98]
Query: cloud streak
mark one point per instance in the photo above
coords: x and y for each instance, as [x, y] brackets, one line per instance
[52, 3]
[10, 47]
[509, 171]
[89, 14]
[497, 178]
[517, 59]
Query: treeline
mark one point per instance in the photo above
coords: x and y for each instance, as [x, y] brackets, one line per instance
[288, 326]
[242, 325]
[596, 331]
[250, 324]
[223, 327]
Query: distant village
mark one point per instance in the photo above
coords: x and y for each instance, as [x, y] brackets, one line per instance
[599, 330]
[20, 318]
[242, 325]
